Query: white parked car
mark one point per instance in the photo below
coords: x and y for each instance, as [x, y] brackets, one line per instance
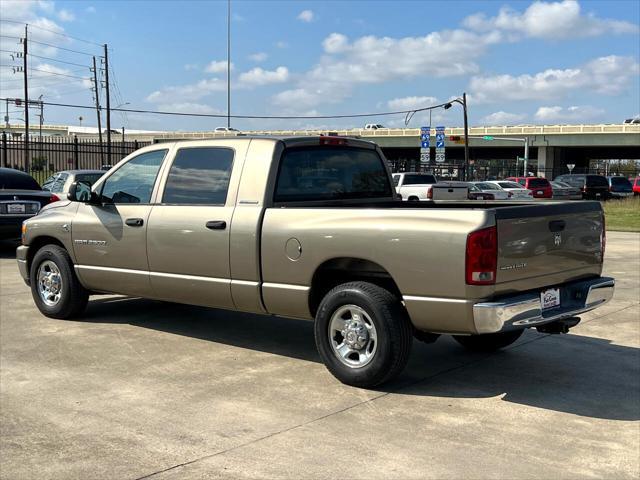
[517, 191]
[226, 130]
[495, 190]
[373, 126]
[414, 186]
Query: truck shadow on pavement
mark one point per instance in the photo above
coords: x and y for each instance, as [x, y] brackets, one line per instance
[581, 375]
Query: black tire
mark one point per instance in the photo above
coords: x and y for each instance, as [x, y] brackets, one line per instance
[393, 332]
[73, 296]
[413, 199]
[488, 342]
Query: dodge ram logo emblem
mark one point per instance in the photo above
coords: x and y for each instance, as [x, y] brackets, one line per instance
[557, 239]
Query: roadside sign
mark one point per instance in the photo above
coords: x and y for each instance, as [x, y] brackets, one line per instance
[440, 155]
[571, 166]
[425, 145]
[425, 157]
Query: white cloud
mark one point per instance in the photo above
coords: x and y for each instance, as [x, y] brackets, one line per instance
[306, 16]
[610, 75]
[503, 118]
[371, 60]
[188, 107]
[218, 66]
[549, 20]
[66, 16]
[579, 114]
[189, 92]
[258, 76]
[282, 44]
[296, 99]
[258, 57]
[408, 103]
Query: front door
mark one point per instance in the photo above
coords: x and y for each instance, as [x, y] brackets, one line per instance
[188, 232]
[109, 240]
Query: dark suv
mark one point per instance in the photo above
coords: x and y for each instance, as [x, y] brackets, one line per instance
[593, 187]
[620, 187]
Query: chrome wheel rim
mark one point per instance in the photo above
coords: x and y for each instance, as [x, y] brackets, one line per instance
[352, 336]
[49, 283]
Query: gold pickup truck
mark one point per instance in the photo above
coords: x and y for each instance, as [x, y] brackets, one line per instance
[311, 228]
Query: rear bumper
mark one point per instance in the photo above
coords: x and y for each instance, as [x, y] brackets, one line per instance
[524, 310]
[21, 256]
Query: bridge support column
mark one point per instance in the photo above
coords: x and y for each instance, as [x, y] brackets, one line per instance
[545, 162]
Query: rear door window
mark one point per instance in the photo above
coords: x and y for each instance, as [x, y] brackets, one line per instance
[621, 183]
[331, 173]
[199, 176]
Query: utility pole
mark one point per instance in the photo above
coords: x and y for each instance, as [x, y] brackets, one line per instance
[97, 90]
[106, 81]
[466, 137]
[228, 63]
[26, 99]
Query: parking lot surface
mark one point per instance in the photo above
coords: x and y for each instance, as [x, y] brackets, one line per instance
[141, 389]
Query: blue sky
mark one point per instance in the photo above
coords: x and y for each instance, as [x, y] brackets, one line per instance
[519, 62]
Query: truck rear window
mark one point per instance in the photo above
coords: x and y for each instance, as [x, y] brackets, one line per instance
[597, 181]
[331, 173]
[419, 179]
[538, 183]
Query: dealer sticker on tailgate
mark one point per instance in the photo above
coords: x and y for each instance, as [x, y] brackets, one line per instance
[550, 298]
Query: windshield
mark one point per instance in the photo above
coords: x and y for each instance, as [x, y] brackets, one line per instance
[621, 183]
[331, 173]
[597, 181]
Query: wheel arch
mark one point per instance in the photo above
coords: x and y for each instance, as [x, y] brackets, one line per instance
[39, 242]
[339, 270]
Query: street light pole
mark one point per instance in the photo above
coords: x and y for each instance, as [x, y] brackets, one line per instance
[463, 101]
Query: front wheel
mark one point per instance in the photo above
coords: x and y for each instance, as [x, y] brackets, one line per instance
[363, 334]
[488, 342]
[55, 288]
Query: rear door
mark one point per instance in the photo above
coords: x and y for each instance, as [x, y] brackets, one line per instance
[562, 241]
[597, 186]
[188, 235]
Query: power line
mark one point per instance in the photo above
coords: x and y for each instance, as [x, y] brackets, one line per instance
[31, 25]
[59, 61]
[60, 48]
[47, 72]
[255, 117]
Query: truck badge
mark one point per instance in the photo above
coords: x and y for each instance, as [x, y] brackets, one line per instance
[557, 239]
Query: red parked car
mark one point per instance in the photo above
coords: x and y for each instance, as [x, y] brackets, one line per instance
[636, 185]
[540, 187]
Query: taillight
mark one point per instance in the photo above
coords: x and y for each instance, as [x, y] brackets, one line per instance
[482, 257]
[325, 140]
[54, 198]
[611, 189]
[583, 189]
[430, 193]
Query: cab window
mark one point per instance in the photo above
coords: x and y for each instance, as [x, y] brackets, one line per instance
[199, 176]
[133, 182]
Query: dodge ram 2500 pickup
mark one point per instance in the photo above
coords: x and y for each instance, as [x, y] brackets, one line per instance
[311, 228]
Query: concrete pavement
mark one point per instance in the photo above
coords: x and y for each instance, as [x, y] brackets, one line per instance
[143, 389]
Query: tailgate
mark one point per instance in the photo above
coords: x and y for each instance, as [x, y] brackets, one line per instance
[444, 191]
[549, 244]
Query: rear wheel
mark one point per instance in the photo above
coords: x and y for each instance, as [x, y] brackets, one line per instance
[363, 334]
[413, 199]
[488, 342]
[55, 287]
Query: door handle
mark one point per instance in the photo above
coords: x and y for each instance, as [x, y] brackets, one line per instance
[134, 222]
[216, 225]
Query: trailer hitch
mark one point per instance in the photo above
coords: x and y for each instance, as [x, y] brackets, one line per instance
[559, 326]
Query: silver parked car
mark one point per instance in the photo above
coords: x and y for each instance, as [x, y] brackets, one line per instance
[492, 188]
[564, 191]
[60, 182]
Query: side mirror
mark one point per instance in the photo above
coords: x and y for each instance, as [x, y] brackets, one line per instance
[80, 191]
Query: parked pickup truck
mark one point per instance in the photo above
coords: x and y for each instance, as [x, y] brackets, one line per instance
[424, 186]
[311, 228]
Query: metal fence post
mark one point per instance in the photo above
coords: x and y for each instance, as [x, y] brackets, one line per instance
[5, 160]
[75, 152]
